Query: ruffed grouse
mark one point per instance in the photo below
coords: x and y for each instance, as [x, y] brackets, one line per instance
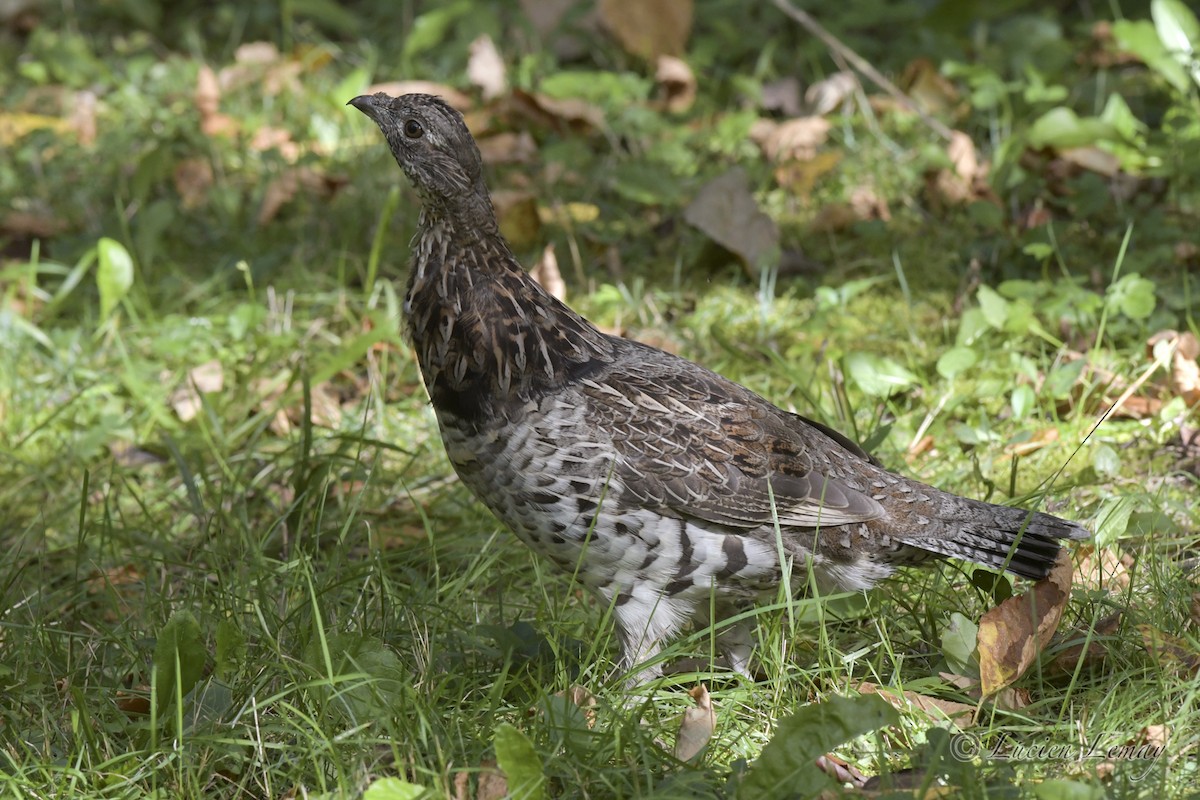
[666, 488]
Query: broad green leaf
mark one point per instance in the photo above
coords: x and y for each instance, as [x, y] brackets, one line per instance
[393, 789]
[1061, 380]
[1132, 295]
[231, 647]
[1180, 33]
[367, 677]
[878, 376]
[1022, 401]
[993, 306]
[1106, 461]
[179, 657]
[114, 275]
[1061, 128]
[431, 28]
[959, 641]
[956, 361]
[520, 763]
[1140, 38]
[787, 767]
[1063, 789]
[1112, 521]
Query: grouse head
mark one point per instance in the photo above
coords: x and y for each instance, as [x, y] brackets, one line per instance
[432, 145]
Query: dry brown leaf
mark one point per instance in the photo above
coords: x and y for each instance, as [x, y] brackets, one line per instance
[207, 99]
[453, 97]
[928, 88]
[867, 204]
[1010, 697]
[782, 97]
[800, 177]
[207, 378]
[1169, 651]
[35, 224]
[1036, 442]
[919, 447]
[1067, 661]
[269, 138]
[586, 701]
[791, 140]
[834, 217]
[1013, 633]
[546, 273]
[934, 708]
[485, 68]
[508, 148]
[134, 705]
[1102, 569]
[826, 95]
[676, 82]
[648, 28]
[697, 725]
[490, 785]
[193, 177]
[841, 770]
[555, 112]
[289, 183]
[1092, 159]
[1154, 735]
[726, 211]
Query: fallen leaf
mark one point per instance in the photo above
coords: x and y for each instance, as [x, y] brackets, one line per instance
[1102, 568]
[827, 94]
[648, 28]
[1068, 660]
[1010, 698]
[782, 97]
[800, 177]
[546, 273]
[1092, 159]
[867, 204]
[1154, 735]
[15, 126]
[928, 88]
[193, 177]
[485, 68]
[1036, 442]
[1169, 651]
[1012, 634]
[508, 148]
[726, 211]
[269, 138]
[841, 770]
[791, 140]
[555, 112]
[696, 726]
[206, 378]
[36, 224]
[676, 82]
[935, 708]
[453, 97]
[284, 188]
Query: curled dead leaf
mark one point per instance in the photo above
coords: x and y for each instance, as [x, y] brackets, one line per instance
[1169, 652]
[456, 99]
[648, 28]
[558, 112]
[1089, 651]
[726, 211]
[1103, 568]
[827, 94]
[207, 378]
[193, 177]
[697, 725]
[959, 714]
[508, 148]
[791, 140]
[485, 68]
[676, 82]
[1012, 634]
[290, 182]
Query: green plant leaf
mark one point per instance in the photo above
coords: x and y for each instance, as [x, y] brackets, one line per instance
[956, 361]
[1061, 128]
[788, 767]
[114, 274]
[1022, 401]
[520, 763]
[1140, 38]
[1112, 521]
[959, 641]
[231, 647]
[1179, 32]
[393, 789]
[1132, 295]
[993, 306]
[878, 376]
[431, 28]
[179, 657]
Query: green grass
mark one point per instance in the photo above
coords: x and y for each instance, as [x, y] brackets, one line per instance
[359, 616]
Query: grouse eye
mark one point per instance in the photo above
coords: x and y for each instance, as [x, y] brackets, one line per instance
[413, 129]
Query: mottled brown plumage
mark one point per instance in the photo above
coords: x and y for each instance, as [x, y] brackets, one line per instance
[665, 487]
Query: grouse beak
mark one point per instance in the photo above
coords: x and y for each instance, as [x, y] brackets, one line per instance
[366, 104]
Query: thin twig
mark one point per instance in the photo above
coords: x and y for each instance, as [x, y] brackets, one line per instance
[861, 64]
